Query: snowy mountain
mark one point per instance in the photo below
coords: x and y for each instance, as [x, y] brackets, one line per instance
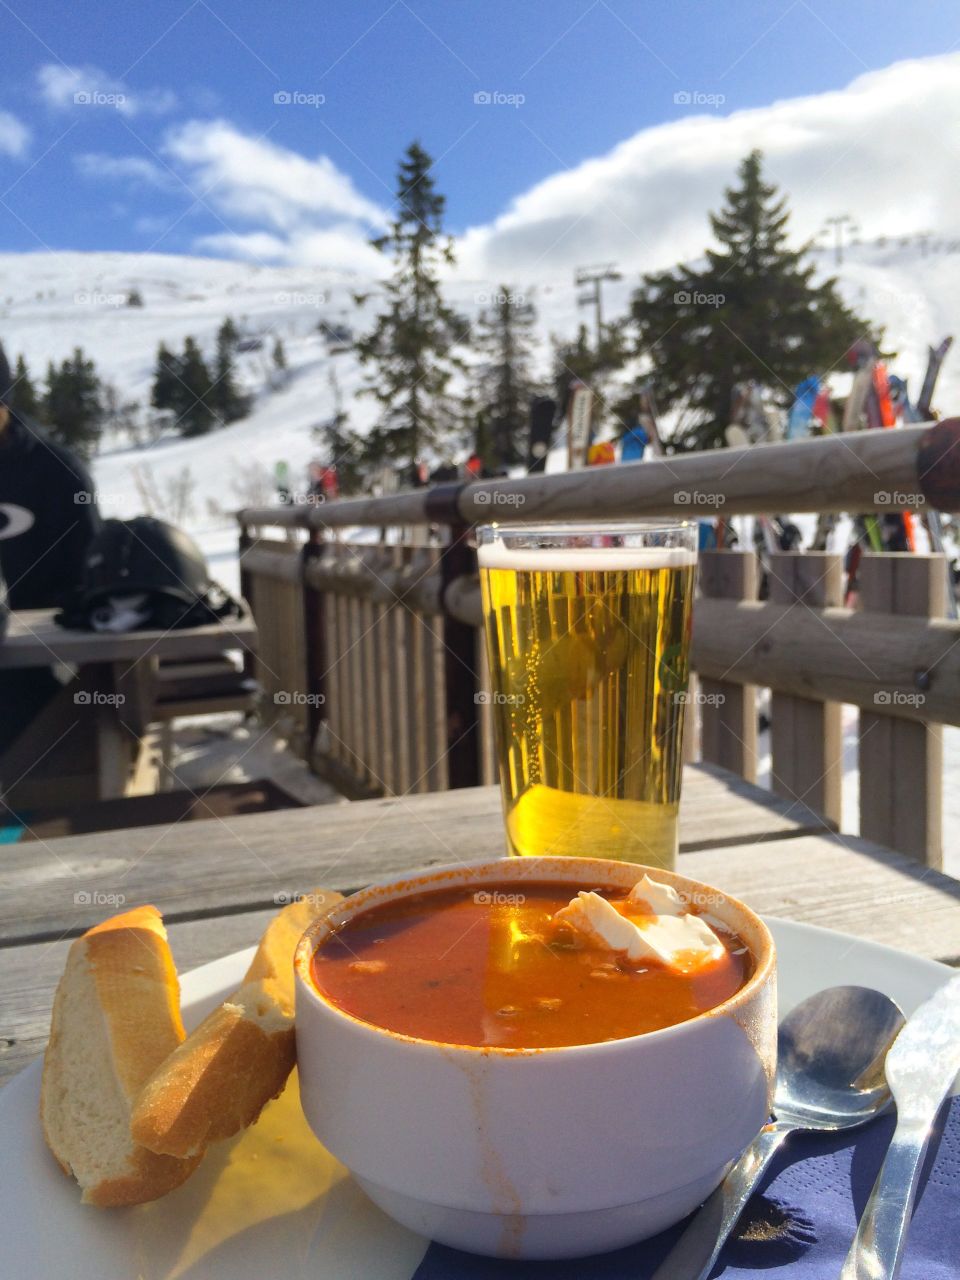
[52, 302]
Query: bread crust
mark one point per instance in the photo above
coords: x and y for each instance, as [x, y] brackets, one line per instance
[123, 970]
[219, 1080]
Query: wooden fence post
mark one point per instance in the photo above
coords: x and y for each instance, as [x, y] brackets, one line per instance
[806, 736]
[315, 643]
[460, 672]
[901, 761]
[728, 711]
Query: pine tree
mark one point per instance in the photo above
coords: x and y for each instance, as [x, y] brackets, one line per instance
[167, 388]
[410, 350]
[343, 448]
[72, 406]
[752, 311]
[134, 298]
[582, 361]
[23, 398]
[195, 414]
[226, 401]
[228, 334]
[504, 383]
[279, 356]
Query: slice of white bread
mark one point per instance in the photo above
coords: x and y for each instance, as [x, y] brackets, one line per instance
[116, 1017]
[226, 1071]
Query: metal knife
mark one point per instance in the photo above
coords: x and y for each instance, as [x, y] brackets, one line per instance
[920, 1068]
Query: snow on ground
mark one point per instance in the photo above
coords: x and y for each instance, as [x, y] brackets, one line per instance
[53, 302]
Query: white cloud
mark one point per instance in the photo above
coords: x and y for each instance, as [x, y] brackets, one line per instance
[881, 150]
[260, 181]
[134, 168]
[304, 210]
[66, 88]
[14, 135]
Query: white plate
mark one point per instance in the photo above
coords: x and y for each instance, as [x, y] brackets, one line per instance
[273, 1203]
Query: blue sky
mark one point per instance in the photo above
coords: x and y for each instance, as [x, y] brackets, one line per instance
[134, 168]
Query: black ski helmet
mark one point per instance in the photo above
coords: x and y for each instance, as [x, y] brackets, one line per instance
[146, 556]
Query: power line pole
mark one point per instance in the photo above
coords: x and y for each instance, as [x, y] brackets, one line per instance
[839, 221]
[595, 276]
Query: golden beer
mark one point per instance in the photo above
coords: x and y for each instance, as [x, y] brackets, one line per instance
[588, 651]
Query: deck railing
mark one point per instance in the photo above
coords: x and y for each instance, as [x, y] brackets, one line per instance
[372, 654]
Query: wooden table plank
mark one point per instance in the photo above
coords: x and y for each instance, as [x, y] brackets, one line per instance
[57, 887]
[34, 640]
[836, 882]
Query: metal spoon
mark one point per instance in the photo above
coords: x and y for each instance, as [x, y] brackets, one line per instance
[831, 1051]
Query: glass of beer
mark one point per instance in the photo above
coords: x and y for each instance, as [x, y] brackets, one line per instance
[588, 638]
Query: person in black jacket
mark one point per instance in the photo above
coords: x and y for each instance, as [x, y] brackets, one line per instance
[48, 514]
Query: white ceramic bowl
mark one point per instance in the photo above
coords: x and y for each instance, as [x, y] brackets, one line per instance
[545, 1153]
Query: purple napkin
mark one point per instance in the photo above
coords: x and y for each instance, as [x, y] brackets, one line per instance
[799, 1225]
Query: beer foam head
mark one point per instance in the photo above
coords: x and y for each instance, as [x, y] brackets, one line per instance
[497, 555]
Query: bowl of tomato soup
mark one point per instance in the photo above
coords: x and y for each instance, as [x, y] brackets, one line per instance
[508, 1068]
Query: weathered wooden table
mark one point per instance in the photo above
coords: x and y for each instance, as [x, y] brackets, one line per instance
[84, 738]
[217, 882]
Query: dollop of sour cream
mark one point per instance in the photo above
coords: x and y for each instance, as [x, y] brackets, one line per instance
[652, 924]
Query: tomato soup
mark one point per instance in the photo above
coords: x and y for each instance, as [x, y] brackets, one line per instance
[490, 967]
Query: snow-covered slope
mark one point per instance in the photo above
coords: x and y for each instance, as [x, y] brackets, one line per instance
[52, 302]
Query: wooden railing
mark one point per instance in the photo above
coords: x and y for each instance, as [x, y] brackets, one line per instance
[372, 653]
